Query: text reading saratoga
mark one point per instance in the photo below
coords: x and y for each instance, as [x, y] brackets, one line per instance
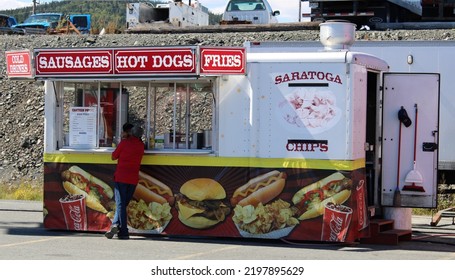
[308, 75]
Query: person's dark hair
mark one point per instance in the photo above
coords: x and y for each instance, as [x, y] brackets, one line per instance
[137, 131]
[127, 127]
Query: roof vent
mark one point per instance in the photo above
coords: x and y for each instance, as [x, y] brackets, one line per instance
[337, 34]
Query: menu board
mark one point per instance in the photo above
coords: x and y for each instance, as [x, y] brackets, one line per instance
[82, 132]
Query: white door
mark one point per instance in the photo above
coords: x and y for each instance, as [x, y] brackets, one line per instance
[409, 145]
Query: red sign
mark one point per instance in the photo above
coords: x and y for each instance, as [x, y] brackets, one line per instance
[155, 61]
[73, 62]
[138, 61]
[18, 64]
[223, 61]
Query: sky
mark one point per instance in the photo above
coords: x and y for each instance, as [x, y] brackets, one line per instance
[289, 10]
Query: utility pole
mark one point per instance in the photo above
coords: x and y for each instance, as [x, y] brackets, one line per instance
[300, 10]
[35, 2]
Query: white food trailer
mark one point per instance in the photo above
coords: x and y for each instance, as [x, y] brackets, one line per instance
[324, 125]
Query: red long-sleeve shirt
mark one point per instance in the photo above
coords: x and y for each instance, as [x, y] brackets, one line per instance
[129, 154]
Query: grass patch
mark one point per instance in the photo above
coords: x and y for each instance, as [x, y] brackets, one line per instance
[445, 201]
[22, 191]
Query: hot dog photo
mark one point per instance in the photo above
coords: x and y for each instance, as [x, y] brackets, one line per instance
[78, 197]
[150, 208]
[99, 195]
[311, 200]
[257, 212]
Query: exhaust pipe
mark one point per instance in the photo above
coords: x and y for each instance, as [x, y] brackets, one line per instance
[337, 34]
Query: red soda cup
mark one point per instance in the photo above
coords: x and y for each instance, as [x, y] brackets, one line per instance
[336, 222]
[74, 211]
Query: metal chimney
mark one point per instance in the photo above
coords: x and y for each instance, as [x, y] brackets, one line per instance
[337, 34]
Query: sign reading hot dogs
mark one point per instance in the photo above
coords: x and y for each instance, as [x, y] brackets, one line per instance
[18, 64]
[155, 61]
[223, 60]
[112, 62]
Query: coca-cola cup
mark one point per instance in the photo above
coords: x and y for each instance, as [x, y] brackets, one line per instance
[74, 211]
[361, 205]
[336, 222]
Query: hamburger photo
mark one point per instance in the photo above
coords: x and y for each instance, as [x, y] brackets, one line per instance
[202, 203]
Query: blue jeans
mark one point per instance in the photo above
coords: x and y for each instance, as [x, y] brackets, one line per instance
[123, 194]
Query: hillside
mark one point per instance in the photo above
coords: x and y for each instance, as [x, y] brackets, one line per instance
[22, 102]
[110, 15]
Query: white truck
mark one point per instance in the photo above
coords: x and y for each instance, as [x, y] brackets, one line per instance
[174, 13]
[249, 12]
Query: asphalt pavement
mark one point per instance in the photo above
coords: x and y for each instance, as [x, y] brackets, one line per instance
[23, 237]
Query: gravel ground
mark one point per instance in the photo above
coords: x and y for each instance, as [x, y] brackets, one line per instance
[22, 102]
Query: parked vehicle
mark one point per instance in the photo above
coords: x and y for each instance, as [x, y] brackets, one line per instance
[6, 25]
[82, 22]
[249, 12]
[379, 12]
[51, 23]
[41, 23]
[175, 13]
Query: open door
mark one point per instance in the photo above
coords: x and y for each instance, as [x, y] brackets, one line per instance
[410, 139]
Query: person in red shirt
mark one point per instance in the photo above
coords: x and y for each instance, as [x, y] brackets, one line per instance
[128, 154]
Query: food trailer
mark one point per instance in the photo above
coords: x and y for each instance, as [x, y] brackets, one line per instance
[249, 142]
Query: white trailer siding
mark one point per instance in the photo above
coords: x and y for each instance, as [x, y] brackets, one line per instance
[262, 102]
[358, 111]
[427, 57]
[234, 105]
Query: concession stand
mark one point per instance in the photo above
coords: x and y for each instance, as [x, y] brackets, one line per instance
[247, 142]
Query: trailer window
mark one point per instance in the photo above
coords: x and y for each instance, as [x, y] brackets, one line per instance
[181, 115]
[89, 114]
[173, 115]
[134, 104]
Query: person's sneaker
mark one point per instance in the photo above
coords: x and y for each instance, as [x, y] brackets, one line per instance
[124, 237]
[113, 231]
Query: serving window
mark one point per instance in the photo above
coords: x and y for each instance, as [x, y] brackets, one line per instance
[174, 115]
[181, 116]
[90, 114]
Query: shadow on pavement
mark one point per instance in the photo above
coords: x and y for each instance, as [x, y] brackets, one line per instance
[425, 237]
